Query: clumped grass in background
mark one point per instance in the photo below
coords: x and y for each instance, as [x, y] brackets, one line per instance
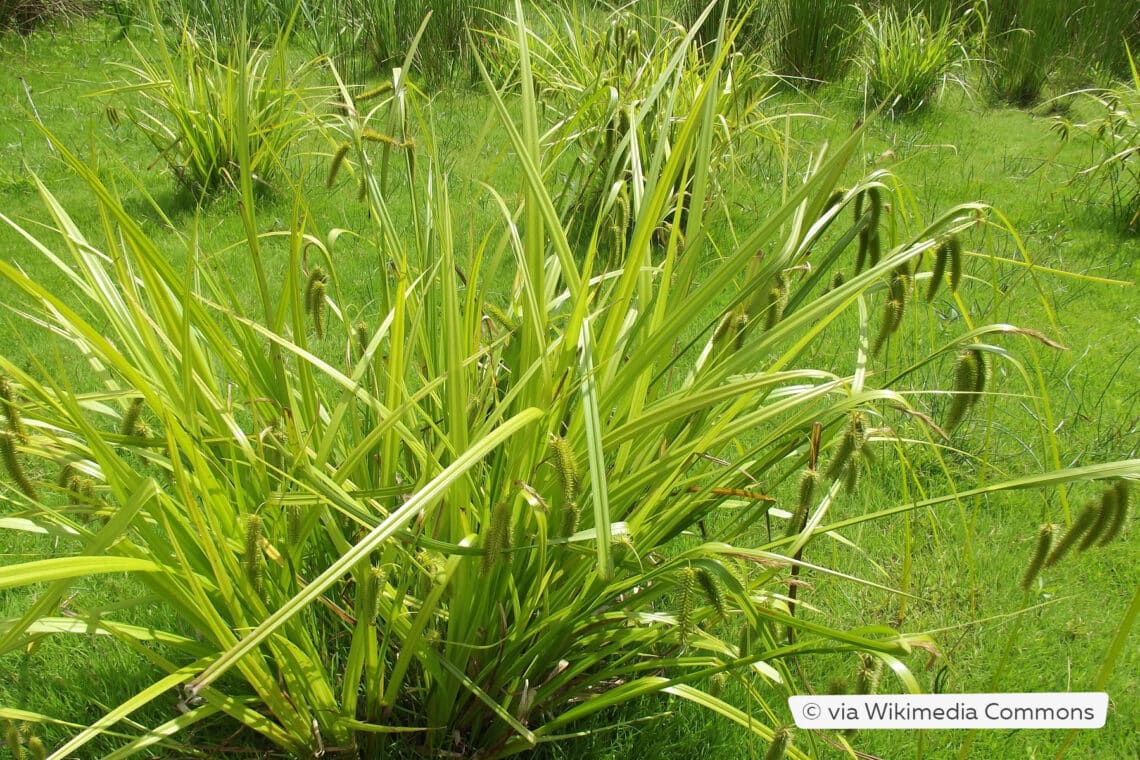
[812, 42]
[905, 58]
[25, 15]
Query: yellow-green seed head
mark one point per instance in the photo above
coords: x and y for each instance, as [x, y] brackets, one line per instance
[12, 739]
[36, 749]
[375, 92]
[1120, 516]
[779, 746]
[320, 309]
[12, 464]
[938, 273]
[251, 559]
[498, 535]
[686, 583]
[12, 410]
[317, 277]
[968, 375]
[130, 423]
[567, 466]
[338, 159]
[1040, 552]
[954, 253]
[712, 591]
[1083, 522]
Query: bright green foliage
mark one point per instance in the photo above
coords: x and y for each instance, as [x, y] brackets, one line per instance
[1115, 134]
[208, 101]
[813, 41]
[907, 57]
[617, 93]
[369, 540]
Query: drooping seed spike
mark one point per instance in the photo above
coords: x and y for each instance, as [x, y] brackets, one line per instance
[892, 318]
[36, 748]
[498, 535]
[718, 683]
[374, 92]
[779, 746]
[251, 560]
[338, 159]
[1083, 522]
[870, 671]
[938, 273]
[293, 524]
[861, 251]
[316, 277]
[567, 466]
[874, 247]
[12, 464]
[966, 380]
[497, 314]
[687, 584]
[320, 309]
[1037, 561]
[875, 205]
[712, 591]
[570, 516]
[739, 326]
[777, 302]
[360, 332]
[843, 452]
[371, 135]
[1105, 512]
[1120, 516]
[12, 410]
[853, 472]
[954, 253]
[130, 423]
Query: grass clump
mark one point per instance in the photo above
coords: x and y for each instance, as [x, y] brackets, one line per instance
[204, 104]
[1114, 135]
[907, 57]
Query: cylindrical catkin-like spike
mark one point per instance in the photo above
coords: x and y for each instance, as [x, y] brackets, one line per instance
[293, 518]
[129, 426]
[320, 308]
[316, 276]
[892, 318]
[954, 253]
[570, 515]
[567, 466]
[836, 280]
[938, 273]
[1104, 511]
[966, 380]
[687, 584]
[875, 205]
[251, 560]
[497, 314]
[808, 481]
[861, 251]
[779, 746]
[360, 332]
[851, 440]
[712, 591]
[371, 135]
[739, 325]
[11, 410]
[375, 92]
[1112, 530]
[717, 684]
[853, 471]
[370, 595]
[338, 159]
[1037, 561]
[874, 247]
[1083, 522]
[36, 748]
[67, 474]
[498, 535]
[777, 302]
[12, 464]
[870, 671]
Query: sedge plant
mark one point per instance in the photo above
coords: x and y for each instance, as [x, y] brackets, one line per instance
[518, 490]
[906, 58]
[197, 102]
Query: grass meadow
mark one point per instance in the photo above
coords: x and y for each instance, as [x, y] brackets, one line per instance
[484, 418]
